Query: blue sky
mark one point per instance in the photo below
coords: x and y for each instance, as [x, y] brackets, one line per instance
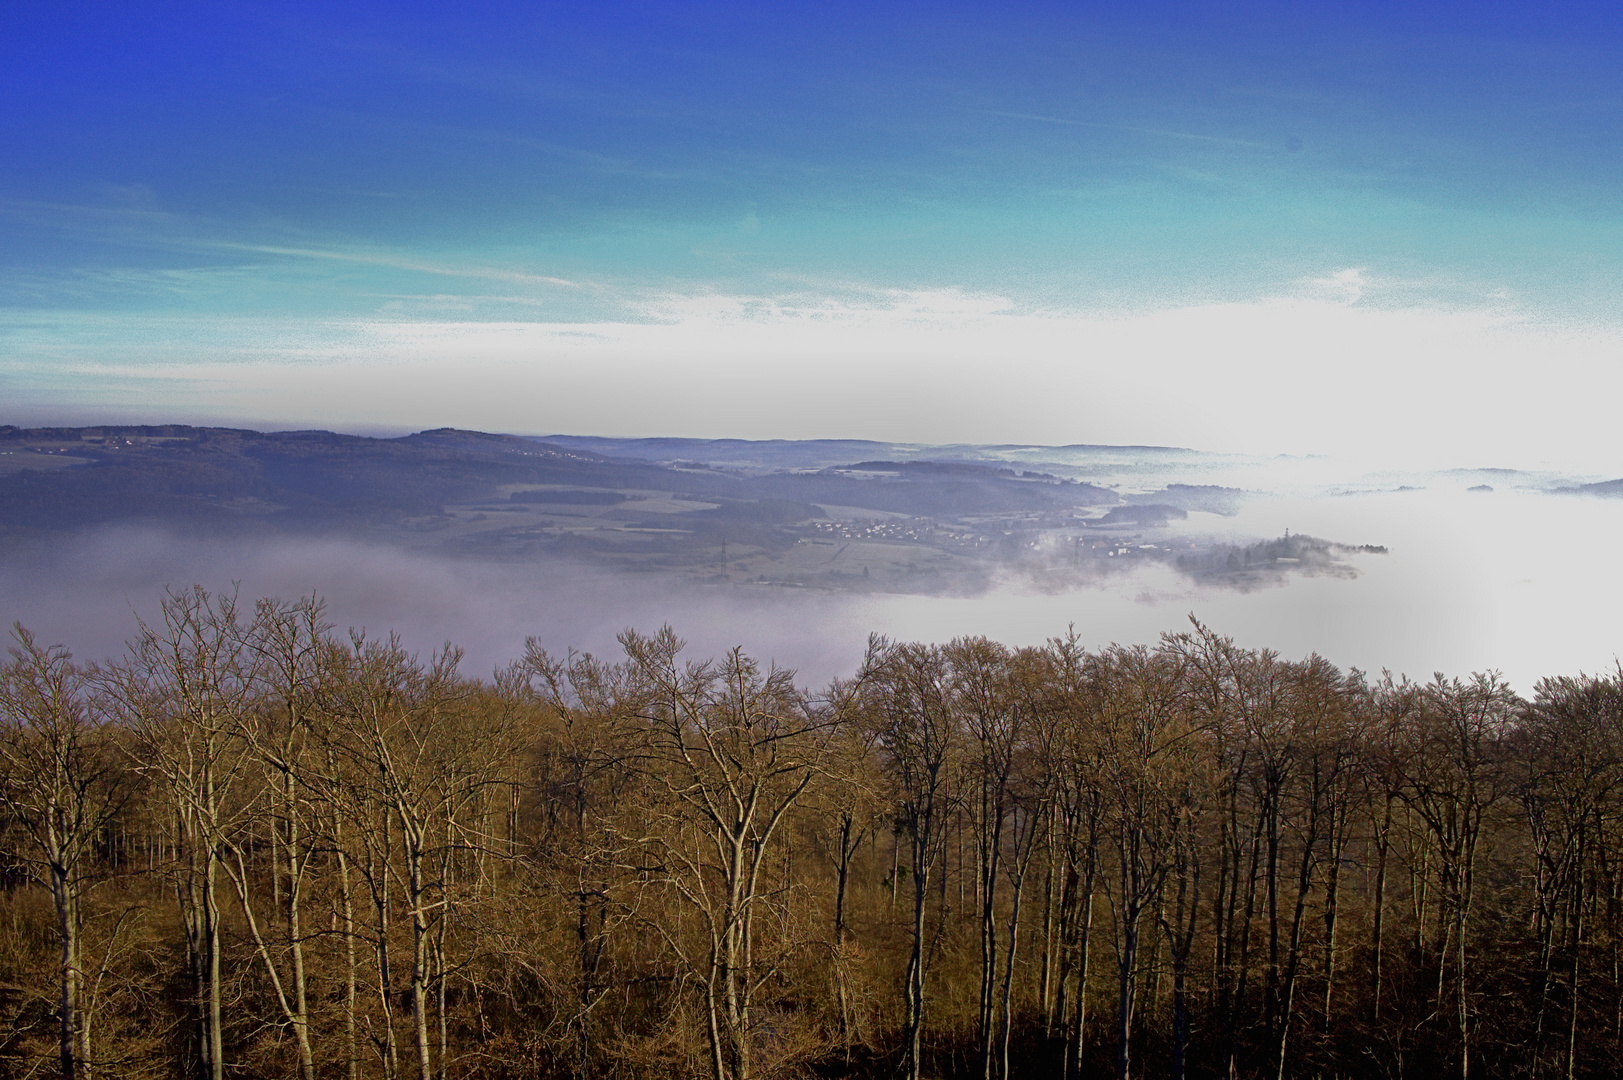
[248, 211]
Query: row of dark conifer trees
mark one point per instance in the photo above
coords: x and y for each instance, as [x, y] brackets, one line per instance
[254, 847]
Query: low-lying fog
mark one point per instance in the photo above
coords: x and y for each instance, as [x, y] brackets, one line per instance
[1526, 583]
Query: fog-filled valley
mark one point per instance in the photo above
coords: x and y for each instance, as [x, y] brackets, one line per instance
[1419, 571]
[487, 756]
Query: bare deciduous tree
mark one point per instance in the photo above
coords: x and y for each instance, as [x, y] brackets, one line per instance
[61, 782]
[730, 746]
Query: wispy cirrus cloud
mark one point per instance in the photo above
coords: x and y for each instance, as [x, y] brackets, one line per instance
[396, 262]
[1163, 133]
[139, 222]
[122, 214]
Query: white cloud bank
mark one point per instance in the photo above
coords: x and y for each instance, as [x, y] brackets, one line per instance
[1318, 373]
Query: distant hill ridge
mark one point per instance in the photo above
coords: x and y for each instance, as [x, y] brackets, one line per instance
[1609, 488]
[218, 478]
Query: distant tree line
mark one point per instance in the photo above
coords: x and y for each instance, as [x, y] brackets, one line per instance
[254, 847]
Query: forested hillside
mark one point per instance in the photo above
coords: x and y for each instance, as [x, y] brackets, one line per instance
[254, 847]
[57, 479]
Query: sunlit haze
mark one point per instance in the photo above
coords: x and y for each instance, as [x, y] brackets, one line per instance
[1255, 226]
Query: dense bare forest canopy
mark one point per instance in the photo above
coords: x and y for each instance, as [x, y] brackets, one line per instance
[254, 846]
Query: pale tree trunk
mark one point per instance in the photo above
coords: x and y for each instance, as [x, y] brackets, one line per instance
[213, 1028]
[914, 1029]
[988, 859]
[238, 872]
[1383, 844]
[1126, 981]
[296, 868]
[1008, 980]
[1077, 1036]
[289, 986]
[73, 1040]
[848, 843]
[1577, 919]
[346, 899]
[1242, 981]
[1466, 877]
[1185, 921]
[195, 889]
[1050, 953]
[200, 895]
[377, 880]
[416, 889]
[1024, 837]
[441, 990]
[1288, 976]
[1332, 896]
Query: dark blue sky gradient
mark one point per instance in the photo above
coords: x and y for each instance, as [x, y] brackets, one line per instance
[296, 159]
